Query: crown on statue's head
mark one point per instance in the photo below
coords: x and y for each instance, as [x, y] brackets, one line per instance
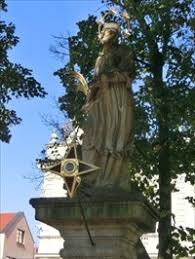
[112, 26]
[103, 25]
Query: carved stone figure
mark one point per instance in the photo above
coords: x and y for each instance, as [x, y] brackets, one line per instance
[108, 132]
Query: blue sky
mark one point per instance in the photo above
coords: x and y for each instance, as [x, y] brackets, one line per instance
[36, 22]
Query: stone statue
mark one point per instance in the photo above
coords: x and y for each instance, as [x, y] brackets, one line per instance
[114, 210]
[108, 131]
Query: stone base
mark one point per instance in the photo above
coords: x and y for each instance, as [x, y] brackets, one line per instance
[115, 223]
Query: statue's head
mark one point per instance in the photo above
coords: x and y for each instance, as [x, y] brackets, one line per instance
[109, 33]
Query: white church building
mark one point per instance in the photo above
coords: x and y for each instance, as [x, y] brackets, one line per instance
[50, 241]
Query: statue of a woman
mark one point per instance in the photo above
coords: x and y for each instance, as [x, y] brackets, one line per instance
[108, 132]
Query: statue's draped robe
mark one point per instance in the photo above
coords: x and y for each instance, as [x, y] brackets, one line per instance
[109, 125]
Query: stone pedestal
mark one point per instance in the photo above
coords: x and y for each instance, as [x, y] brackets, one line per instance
[115, 222]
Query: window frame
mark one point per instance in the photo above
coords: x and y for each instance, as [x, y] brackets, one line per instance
[20, 236]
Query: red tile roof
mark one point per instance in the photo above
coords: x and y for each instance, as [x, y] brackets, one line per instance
[6, 218]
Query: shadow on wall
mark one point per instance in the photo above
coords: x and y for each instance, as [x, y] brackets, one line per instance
[141, 251]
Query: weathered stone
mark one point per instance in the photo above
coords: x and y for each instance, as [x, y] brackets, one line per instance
[115, 225]
[109, 125]
[116, 217]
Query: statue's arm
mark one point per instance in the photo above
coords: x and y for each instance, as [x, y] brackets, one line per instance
[122, 66]
[127, 62]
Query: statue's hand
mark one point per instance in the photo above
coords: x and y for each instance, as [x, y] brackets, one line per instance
[104, 78]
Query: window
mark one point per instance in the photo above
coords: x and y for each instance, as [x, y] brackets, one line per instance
[20, 236]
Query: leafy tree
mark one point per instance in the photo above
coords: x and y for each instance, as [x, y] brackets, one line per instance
[163, 42]
[15, 80]
[83, 50]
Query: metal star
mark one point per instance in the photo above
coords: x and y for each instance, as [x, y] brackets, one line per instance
[71, 169]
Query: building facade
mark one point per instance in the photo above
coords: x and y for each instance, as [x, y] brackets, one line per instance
[184, 215]
[50, 241]
[16, 241]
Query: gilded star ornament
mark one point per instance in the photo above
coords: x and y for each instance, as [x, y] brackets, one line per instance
[71, 169]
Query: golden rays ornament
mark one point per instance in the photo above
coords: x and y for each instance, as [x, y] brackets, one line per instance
[82, 85]
[71, 169]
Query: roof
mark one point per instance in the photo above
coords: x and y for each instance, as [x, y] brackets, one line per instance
[9, 220]
[5, 219]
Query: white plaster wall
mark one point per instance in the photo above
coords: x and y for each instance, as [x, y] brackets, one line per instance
[46, 230]
[52, 186]
[183, 210]
[50, 242]
[50, 245]
[184, 214]
[2, 239]
[150, 242]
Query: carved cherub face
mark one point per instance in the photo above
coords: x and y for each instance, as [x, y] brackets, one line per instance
[108, 35]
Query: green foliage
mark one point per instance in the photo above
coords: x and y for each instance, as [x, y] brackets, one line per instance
[179, 236]
[163, 42]
[84, 49]
[15, 80]
[3, 6]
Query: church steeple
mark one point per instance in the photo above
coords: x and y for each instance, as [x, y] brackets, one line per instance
[53, 138]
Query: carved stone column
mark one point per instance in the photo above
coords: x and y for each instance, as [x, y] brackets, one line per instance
[116, 223]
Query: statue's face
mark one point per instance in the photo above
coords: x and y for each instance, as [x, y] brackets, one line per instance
[107, 35]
